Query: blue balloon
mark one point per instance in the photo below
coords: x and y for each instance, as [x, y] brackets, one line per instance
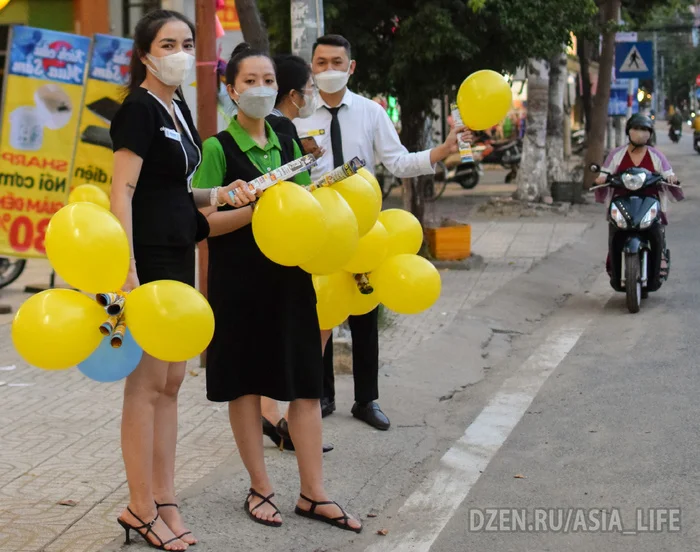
[108, 364]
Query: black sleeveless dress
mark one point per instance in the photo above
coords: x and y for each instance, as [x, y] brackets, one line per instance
[267, 339]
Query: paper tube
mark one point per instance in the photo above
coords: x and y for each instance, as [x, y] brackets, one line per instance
[285, 172]
[112, 302]
[118, 335]
[108, 327]
[465, 148]
[338, 174]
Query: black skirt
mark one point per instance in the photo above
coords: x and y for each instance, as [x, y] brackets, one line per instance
[156, 262]
[267, 339]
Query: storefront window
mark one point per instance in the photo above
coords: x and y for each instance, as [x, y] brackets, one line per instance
[133, 10]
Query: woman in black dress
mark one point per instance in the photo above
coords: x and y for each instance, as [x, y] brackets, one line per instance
[267, 340]
[296, 97]
[157, 150]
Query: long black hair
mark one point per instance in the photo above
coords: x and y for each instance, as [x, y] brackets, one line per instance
[241, 52]
[292, 74]
[145, 33]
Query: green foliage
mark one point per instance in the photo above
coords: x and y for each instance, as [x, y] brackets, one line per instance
[422, 49]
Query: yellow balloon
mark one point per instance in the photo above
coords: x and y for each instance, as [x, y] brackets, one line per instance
[362, 200]
[342, 234]
[333, 298]
[88, 248]
[369, 177]
[170, 320]
[91, 194]
[289, 224]
[407, 284]
[361, 303]
[484, 99]
[371, 251]
[57, 328]
[405, 232]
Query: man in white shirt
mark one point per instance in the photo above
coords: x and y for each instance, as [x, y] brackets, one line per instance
[348, 125]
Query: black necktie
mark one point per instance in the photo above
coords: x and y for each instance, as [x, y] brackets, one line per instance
[336, 137]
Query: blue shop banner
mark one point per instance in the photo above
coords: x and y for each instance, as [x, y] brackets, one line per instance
[110, 60]
[48, 55]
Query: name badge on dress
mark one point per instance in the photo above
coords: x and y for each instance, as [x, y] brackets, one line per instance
[173, 135]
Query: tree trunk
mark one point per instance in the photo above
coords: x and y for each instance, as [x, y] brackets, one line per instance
[556, 167]
[252, 26]
[584, 49]
[412, 125]
[599, 114]
[532, 175]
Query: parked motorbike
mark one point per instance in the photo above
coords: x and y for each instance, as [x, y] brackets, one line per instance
[674, 134]
[10, 270]
[467, 175]
[506, 153]
[636, 239]
[696, 141]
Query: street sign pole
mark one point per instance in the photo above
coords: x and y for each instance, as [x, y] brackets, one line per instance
[307, 26]
[657, 84]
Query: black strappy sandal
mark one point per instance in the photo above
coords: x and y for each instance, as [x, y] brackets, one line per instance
[186, 532]
[263, 500]
[149, 529]
[341, 522]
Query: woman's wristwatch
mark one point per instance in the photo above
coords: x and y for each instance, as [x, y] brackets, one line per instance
[214, 197]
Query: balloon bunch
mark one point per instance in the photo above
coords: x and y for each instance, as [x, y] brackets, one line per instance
[106, 336]
[359, 256]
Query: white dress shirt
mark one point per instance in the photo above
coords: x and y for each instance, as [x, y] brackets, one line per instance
[367, 133]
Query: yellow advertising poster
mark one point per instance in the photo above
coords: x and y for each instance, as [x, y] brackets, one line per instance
[107, 74]
[41, 110]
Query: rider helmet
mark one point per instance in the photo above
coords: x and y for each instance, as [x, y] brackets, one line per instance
[638, 120]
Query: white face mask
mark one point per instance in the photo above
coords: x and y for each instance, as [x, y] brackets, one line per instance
[309, 107]
[639, 138]
[332, 81]
[173, 69]
[257, 102]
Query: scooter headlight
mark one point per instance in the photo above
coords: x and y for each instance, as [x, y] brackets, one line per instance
[617, 216]
[650, 216]
[634, 181]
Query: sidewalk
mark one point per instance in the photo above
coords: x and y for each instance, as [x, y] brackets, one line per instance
[59, 438]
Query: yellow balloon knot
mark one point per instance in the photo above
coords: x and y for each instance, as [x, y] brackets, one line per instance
[363, 284]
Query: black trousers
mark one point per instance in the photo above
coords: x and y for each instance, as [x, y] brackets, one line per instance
[365, 359]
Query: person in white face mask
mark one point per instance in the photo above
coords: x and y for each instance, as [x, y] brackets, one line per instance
[157, 150]
[267, 340]
[348, 125]
[297, 97]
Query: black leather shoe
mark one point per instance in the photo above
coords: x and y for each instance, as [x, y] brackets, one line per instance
[327, 407]
[371, 414]
[287, 444]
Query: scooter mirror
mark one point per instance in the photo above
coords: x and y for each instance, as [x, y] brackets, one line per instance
[594, 168]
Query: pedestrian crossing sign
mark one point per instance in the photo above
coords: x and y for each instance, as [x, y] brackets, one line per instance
[634, 60]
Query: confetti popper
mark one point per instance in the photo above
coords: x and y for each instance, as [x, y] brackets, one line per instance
[338, 174]
[465, 148]
[108, 327]
[285, 172]
[112, 302]
[363, 284]
[118, 335]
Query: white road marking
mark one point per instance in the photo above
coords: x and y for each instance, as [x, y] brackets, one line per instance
[428, 510]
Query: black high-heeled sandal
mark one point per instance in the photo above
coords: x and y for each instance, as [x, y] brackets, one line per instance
[263, 500]
[149, 529]
[271, 431]
[287, 444]
[183, 534]
[342, 522]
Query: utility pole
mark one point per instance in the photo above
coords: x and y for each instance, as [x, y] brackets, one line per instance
[307, 26]
[207, 88]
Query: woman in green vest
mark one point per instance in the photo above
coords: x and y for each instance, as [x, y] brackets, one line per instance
[267, 340]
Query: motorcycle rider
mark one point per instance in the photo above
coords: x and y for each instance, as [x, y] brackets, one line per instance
[638, 153]
[675, 121]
